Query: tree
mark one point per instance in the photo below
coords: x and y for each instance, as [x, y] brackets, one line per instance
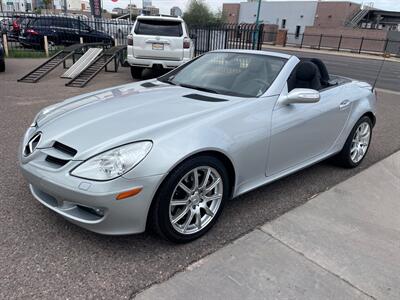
[47, 3]
[198, 13]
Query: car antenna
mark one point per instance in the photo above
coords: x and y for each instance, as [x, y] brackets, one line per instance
[379, 73]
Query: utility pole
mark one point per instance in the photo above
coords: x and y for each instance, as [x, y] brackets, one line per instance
[257, 21]
[130, 10]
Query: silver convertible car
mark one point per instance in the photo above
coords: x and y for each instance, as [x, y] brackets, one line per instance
[167, 153]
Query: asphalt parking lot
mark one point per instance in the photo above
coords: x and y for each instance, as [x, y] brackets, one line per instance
[43, 256]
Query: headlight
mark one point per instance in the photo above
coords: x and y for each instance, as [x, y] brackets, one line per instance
[113, 163]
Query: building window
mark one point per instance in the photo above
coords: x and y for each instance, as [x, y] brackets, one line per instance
[297, 34]
[283, 23]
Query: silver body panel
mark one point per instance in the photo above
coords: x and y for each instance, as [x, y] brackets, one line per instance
[263, 140]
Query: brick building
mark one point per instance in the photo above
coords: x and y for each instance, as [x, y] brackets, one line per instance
[335, 13]
[231, 12]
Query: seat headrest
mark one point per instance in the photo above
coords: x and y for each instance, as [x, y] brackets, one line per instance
[322, 69]
[256, 66]
[306, 71]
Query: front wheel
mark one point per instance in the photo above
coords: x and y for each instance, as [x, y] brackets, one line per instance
[136, 72]
[2, 65]
[357, 144]
[191, 199]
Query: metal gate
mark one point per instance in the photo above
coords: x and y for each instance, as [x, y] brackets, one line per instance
[227, 36]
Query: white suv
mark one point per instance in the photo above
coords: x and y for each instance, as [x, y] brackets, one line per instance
[158, 41]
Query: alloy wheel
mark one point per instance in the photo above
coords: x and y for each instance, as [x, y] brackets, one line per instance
[360, 142]
[196, 200]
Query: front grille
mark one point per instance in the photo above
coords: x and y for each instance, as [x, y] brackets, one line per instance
[56, 161]
[64, 148]
[59, 154]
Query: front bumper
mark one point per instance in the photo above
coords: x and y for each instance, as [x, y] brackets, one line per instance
[91, 204]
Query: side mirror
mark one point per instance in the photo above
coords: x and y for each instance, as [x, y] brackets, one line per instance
[301, 96]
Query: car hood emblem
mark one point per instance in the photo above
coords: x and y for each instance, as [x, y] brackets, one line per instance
[32, 144]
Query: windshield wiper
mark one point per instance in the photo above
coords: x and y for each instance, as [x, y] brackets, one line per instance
[199, 88]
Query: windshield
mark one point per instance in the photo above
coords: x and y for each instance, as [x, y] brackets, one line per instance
[237, 74]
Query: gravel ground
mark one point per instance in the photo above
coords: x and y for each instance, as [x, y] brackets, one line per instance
[42, 256]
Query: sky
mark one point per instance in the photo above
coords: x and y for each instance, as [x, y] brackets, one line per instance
[165, 5]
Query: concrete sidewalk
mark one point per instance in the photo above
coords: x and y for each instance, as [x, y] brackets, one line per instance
[343, 244]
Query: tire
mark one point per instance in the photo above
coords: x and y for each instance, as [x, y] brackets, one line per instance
[345, 157]
[181, 218]
[136, 72]
[2, 65]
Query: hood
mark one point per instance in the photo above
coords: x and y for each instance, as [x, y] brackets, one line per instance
[98, 121]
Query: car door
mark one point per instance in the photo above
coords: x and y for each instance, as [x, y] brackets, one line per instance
[301, 132]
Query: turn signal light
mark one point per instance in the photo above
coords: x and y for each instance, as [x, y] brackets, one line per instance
[130, 193]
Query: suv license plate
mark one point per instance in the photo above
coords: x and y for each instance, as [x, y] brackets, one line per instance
[158, 46]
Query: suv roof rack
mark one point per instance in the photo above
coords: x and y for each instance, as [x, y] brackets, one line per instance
[162, 15]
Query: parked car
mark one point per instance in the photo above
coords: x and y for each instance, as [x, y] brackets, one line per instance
[61, 31]
[167, 153]
[14, 26]
[2, 62]
[158, 41]
[5, 25]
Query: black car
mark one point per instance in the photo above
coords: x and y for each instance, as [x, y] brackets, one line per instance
[60, 31]
[2, 63]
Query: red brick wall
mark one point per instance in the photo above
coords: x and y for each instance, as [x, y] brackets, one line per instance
[373, 40]
[231, 12]
[281, 37]
[334, 14]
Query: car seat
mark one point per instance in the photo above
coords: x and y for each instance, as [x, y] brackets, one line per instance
[306, 75]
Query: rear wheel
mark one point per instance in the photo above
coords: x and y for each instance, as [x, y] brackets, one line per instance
[357, 144]
[191, 199]
[136, 72]
[2, 65]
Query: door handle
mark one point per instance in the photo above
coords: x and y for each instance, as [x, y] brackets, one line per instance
[344, 104]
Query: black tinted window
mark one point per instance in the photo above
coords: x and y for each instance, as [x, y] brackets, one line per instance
[42, 22]
[155, 27]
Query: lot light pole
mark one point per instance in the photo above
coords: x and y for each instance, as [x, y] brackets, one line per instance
[257, 21]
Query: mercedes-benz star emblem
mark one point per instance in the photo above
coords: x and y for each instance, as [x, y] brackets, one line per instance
[32, 144]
